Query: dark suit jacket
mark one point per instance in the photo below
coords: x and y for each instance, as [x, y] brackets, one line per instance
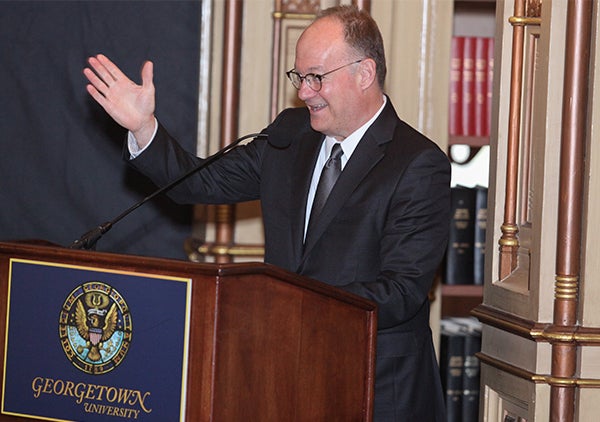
[381, 234]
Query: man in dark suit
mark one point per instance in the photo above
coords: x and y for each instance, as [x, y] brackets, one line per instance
[381, 232]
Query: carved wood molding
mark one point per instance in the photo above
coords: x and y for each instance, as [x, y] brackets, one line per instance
[537, 331]
[526, 12]
[534, 8]
[567, 337]
[572, 382]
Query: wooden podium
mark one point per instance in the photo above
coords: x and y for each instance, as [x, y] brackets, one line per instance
[264, 344]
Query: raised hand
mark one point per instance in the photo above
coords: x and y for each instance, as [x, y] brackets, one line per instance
[130, 105]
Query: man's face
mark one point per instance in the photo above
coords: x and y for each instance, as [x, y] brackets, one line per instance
[335, 109]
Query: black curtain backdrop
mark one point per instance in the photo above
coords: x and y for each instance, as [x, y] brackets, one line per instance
[61, 171]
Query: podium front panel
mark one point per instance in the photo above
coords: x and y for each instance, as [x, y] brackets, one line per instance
[194, 342]
[87, 344]
[291, 351]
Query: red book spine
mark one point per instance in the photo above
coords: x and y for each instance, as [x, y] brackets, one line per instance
[490, 82]
[468, 87]
[481, 87]
[455, 106]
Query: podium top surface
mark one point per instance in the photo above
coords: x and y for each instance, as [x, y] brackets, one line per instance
[40, 250]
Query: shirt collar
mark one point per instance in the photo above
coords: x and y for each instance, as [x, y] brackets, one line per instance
[349, 143]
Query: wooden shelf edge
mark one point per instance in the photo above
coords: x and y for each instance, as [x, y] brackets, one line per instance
[459, 300]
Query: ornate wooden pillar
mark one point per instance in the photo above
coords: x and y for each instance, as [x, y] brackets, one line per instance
[509, 242]
[545, 344]
[570, 206]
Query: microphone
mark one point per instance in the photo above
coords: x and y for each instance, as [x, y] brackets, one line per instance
[287, 126]
[89, 239]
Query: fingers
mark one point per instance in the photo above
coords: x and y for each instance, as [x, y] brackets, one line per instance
[105, 70]
[97, 95]
[95, 81]
[113, 71]
[103, 75]
[129, 104]
[147, 73]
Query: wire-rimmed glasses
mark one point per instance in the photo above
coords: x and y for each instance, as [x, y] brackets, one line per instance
[313, 80]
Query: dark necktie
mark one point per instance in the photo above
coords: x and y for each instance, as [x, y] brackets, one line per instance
[329, 175]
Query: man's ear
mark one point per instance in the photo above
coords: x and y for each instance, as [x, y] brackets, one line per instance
[368, 73]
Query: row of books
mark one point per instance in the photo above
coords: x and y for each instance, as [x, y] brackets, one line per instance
[471, 76]
[460, 368]
[466, 243]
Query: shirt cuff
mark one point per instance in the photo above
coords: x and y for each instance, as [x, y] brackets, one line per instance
[132, 145]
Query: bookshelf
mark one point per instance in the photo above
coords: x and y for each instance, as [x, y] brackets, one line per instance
[472, 19]
[469, 128]
[472, 56]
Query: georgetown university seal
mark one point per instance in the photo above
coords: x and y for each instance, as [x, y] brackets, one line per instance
[95, 327]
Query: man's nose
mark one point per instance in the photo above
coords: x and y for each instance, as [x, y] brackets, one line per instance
[305, 92]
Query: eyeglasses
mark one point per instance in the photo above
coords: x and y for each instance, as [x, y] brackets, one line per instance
[314, 81]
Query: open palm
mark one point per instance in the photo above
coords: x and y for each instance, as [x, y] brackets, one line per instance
[129, 104]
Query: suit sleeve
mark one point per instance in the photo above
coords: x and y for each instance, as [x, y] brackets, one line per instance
[413, 241]
[234, 177]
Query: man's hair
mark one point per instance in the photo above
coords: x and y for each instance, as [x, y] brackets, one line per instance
[361, 33]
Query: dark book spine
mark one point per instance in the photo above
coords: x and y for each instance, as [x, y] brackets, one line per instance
[470, 398]
[459, 256]
[451, 368]
[481, 194]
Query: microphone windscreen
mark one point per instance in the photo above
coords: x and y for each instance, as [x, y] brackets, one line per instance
[287, 126]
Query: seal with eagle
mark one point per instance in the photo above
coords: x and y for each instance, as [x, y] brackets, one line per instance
[96, 324]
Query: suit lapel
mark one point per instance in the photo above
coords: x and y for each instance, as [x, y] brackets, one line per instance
[367, 154]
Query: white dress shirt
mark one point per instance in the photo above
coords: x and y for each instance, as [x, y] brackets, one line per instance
[348, 146]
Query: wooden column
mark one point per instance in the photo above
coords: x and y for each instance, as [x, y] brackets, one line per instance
[509, 242]
[570, 206]
[232, 51]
